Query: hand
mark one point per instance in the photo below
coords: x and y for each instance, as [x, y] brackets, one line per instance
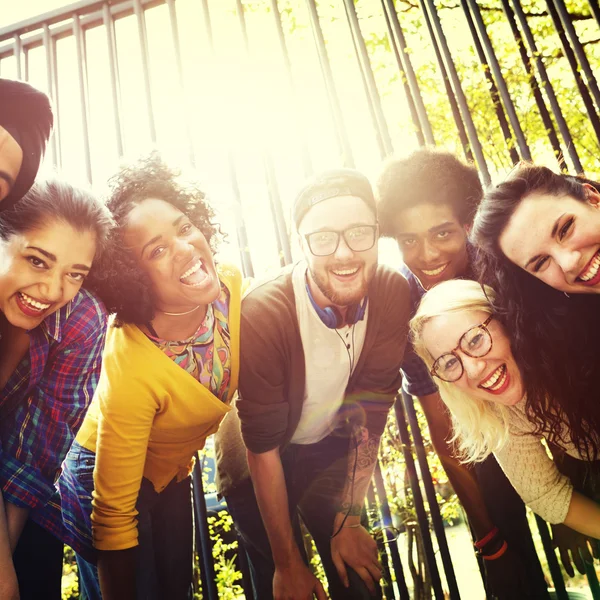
[506, 577]
[353, 546]
[296, 582]
[578, 545]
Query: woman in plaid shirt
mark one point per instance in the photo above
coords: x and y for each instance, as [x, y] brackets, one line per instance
[52, 334]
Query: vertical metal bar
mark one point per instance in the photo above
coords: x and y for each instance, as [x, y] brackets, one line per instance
[545, 79]
[392, 546]
[404, 78]
[458, 120]
[242, 235]
[496, 100]
[595, 8]
[567, 22]
[281, 237]
[179, 63]
[429, 6]
[52, 86]
[113, 65]
[143, 38]
[434, 509]
[500, 82]
[334, 102]
[533, 82]
[557, 578]
[207, 569]
[306, 160]
[25, 64]
[81, 75]
[570, 56]
[18, 52]
[418, 499]
[373, 99]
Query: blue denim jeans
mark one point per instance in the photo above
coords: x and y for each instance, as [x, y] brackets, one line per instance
[315, 475]
[165, 536]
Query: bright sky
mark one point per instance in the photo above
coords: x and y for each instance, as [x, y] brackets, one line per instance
[13, 11]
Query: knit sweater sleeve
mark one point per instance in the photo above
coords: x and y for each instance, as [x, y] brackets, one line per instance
[533, 473]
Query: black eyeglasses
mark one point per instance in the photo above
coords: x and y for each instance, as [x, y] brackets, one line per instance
[476, 342]
[358, 238]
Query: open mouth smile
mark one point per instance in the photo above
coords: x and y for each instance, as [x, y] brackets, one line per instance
[591, 273]
[196, 275]
[345, 273]
[435, 272]
[497, 381]
[30, 306]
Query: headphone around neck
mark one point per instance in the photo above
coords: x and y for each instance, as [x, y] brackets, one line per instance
[331, 316]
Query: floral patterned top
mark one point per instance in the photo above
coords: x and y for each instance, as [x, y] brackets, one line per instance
[205, 355]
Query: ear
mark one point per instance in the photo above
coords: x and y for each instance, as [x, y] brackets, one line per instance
[592, 195]
[467, 227]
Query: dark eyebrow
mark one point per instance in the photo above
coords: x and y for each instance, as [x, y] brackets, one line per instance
[4, 175]
[51, 257]
[155, 239]
[553, 233]
[440, 227]
[533, 259]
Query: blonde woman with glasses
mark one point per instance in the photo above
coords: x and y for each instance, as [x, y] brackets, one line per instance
[469, 353]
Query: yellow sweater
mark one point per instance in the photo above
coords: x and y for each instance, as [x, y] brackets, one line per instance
[148, 418]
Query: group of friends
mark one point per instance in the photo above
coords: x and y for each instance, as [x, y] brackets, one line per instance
[124, 345]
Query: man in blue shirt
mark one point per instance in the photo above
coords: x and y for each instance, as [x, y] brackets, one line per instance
[427, 203]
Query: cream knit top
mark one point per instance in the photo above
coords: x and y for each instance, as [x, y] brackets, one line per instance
[532, 471]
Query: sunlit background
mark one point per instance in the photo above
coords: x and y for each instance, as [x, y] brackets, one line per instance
[234, 115]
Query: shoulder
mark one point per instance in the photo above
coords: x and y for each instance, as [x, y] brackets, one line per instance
[230, 276]
[273, 294]
[388, 284]
[83, 318]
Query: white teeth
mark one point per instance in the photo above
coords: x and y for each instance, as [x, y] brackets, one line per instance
[191, 270]
[592, 270]
[33, 303]
[346, 271]
[496, 380]
[435, 271]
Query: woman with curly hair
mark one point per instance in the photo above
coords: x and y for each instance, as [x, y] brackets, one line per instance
[467, 348]
[52, 333]
[170, 369]
[538, 238]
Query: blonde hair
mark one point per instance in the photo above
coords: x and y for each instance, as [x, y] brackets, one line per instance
[480, 427]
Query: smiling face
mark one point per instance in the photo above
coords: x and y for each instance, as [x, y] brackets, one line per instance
[342, 278]
[433, 243]
[557, 240]
[42, 270]
[174, 254]
[11, 159]
[493, 377]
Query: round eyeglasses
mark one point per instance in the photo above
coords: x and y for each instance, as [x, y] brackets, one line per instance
[475, 342]
[358, 238]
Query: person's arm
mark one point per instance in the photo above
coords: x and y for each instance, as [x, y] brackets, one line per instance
[44, 424]
[9, 587]
[292, 577]
[461, 475]
[351, 544]
[583, 515]
[127, 411]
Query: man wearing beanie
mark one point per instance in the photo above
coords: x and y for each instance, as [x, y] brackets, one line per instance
[321, 348]
[25, 125]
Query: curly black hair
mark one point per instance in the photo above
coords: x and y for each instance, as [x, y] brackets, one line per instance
[427, 176]
[122, 283]
[555, 338]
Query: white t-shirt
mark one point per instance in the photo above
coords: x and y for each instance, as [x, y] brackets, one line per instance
[329, 355]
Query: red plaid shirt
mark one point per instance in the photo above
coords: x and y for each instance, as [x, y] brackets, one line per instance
[44, 401]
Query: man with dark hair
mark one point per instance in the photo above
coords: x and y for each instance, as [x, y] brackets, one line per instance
[26, 121]
[321, 349]
[427, 202]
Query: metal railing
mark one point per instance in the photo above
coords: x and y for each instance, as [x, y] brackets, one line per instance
[332, 83]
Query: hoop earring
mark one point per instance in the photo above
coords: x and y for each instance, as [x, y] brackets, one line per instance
[567, 295]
